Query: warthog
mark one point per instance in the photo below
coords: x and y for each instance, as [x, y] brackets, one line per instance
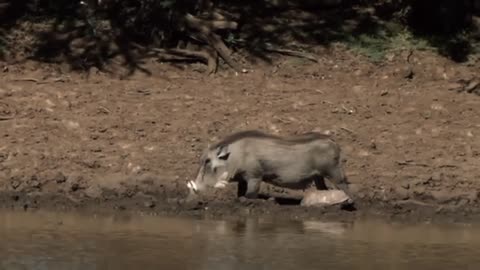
[250, 157]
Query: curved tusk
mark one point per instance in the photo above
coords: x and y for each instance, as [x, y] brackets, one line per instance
[194, 186]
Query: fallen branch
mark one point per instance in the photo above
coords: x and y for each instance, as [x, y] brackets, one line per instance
[38, 81]
[414, 202]
[203, 55]
[224, 52]
[6, 111]
[205, 29]
[299, 54]
[410, 163]
[348, 130]
[207, 26]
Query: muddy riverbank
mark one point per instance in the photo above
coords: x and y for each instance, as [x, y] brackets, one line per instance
[98, 142]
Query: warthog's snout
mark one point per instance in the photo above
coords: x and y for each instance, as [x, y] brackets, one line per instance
[197, 185]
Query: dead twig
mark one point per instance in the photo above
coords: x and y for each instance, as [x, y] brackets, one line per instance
[411, 163]
[7, 112]
[414, 202]
[447, 166]
[104, 109]
[25, 80]
[282, 120]
[348, 130]
[349, 111]
[207, 57]
[299, 54]
[54, 80]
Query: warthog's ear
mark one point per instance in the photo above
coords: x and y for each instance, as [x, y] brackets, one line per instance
[223, 152]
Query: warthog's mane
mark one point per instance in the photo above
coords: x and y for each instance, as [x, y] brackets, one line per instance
[255, 134]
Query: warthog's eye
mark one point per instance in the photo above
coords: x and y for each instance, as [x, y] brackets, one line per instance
[207, 161]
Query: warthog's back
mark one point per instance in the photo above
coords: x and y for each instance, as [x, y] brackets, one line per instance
[254, 135]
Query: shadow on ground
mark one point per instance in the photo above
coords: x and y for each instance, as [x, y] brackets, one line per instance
[84, 36]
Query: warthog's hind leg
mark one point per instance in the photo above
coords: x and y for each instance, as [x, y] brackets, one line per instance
[242, 188]
[338, 179]
[320, 182]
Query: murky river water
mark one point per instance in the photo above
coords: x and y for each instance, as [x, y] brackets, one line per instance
[52, 241]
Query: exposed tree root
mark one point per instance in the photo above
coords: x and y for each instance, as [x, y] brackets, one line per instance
[308, 56]
[204, 30]
[210, 58]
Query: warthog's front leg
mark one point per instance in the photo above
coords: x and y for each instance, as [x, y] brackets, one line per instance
[253, 187]
[222, 181]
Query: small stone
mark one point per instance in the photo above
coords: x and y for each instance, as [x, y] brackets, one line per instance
[436, 176]
[402, 193]
[35, 184]
[60, 178]
[457, 87]
[149, 204]
[472, 196]
[354, 188]
[419, 190]
[407, 73]
[15, 184]
[472, 86]
[75, 187]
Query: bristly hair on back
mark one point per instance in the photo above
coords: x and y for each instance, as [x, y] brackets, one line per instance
[241, 135]
[299, 138]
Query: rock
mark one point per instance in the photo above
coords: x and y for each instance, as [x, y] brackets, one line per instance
[405, 185]
[75, 187]
[354, 188]
[445, 196]
[15, 184]
[472, 195]
[419, 190]
[436, 176]
[441, 196]
[325, 198]
[407, 73]
[149, 204]
[402, 193]
[457, 87]
[35, 184]
[60, 178]
[472, 86]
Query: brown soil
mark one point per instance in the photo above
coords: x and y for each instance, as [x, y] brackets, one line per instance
[98, 142]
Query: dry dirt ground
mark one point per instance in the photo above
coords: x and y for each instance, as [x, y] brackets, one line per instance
[72, 141]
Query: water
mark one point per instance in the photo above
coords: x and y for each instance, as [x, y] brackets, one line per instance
[53, 241]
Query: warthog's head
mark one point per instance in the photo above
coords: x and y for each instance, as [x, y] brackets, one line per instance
[212, 171]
